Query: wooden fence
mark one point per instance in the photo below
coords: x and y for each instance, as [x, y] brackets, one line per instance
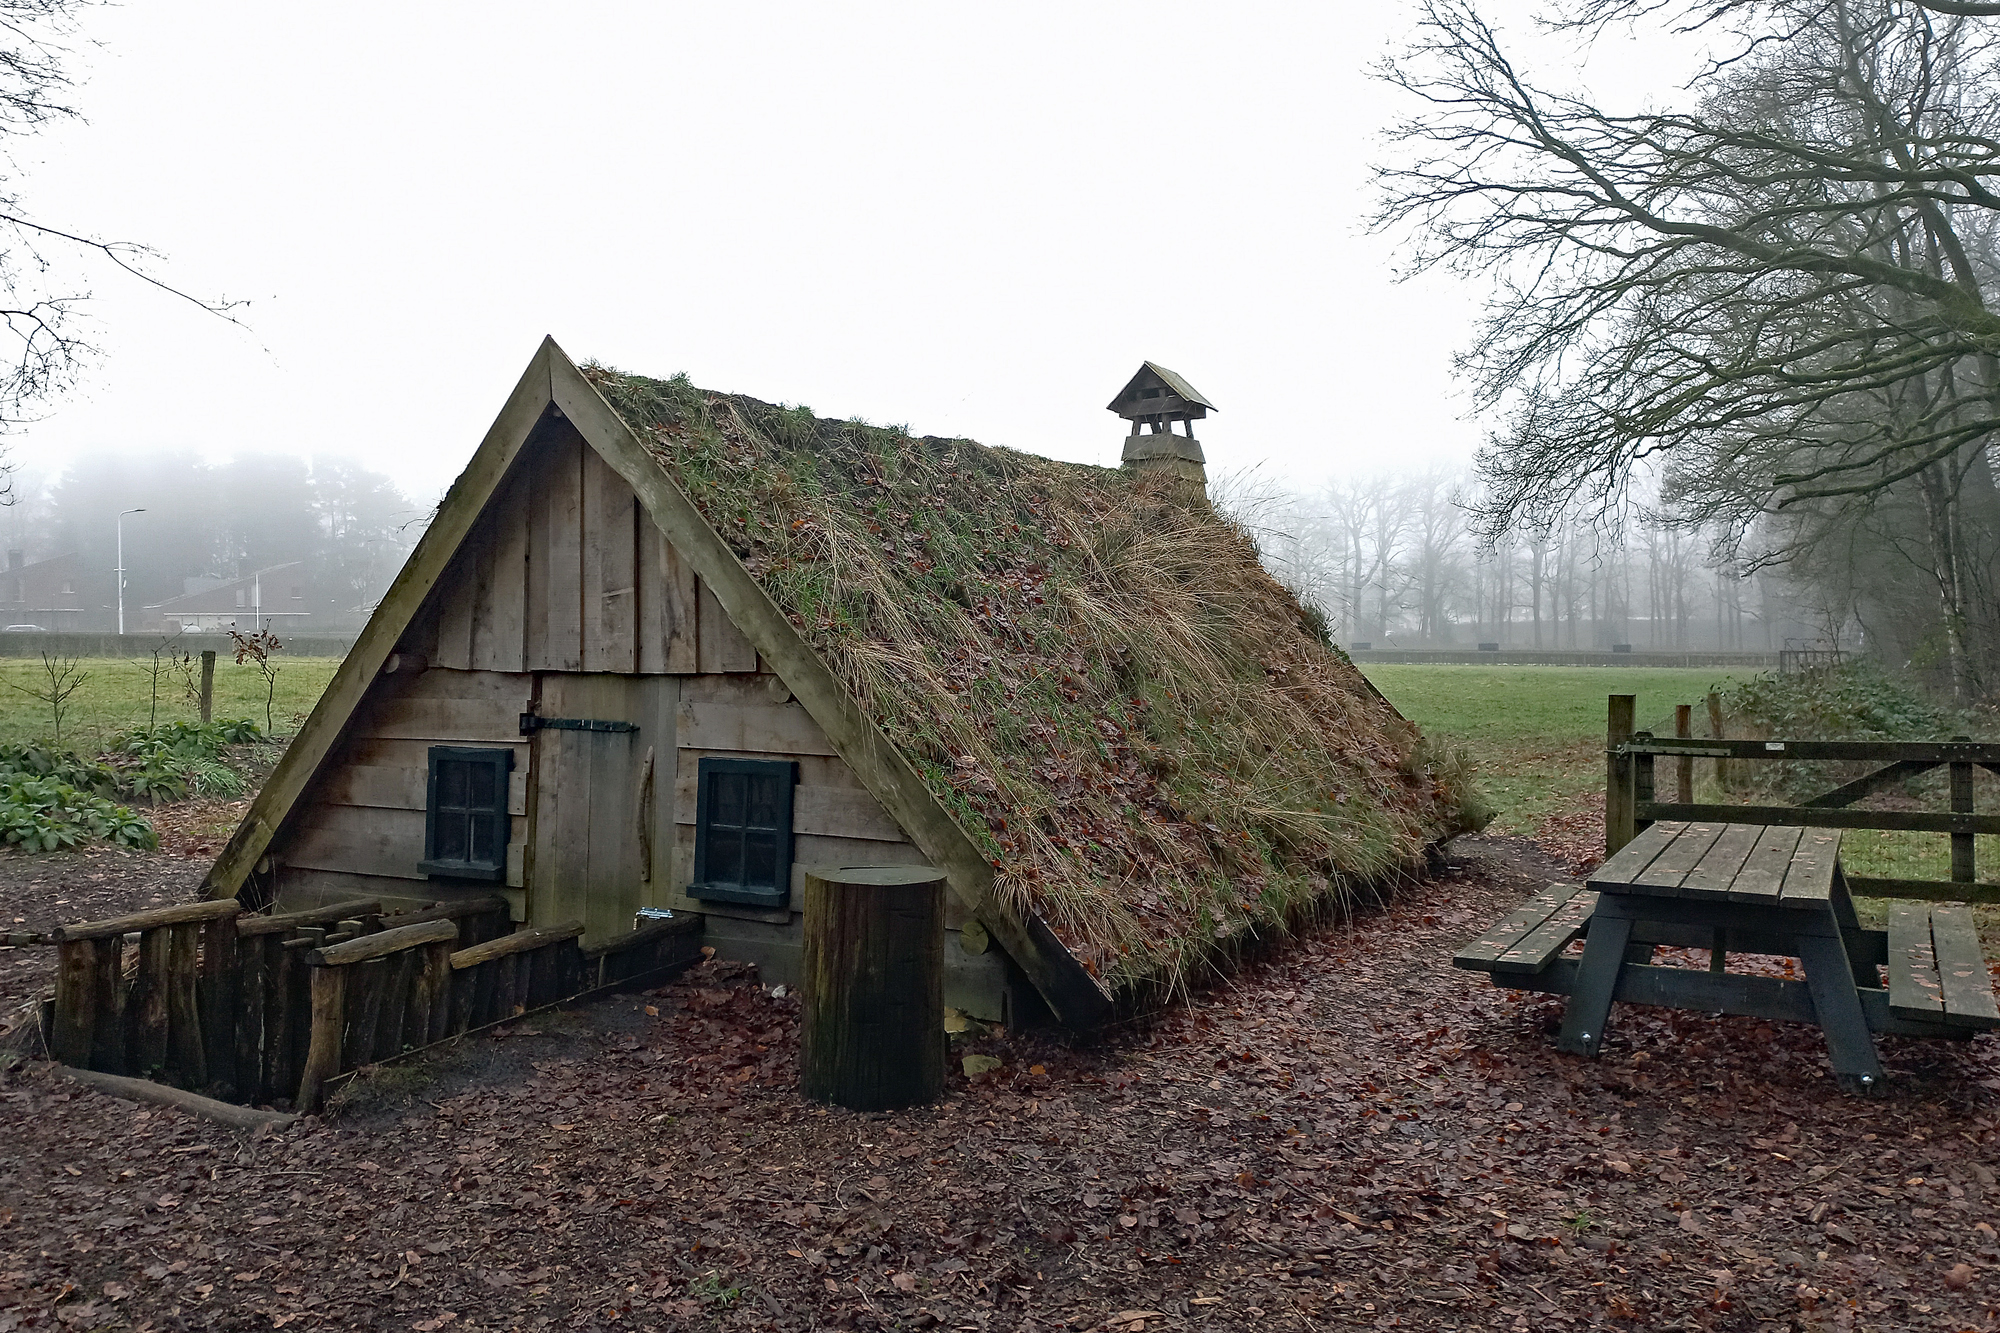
[258, 1008]
[1631, 798]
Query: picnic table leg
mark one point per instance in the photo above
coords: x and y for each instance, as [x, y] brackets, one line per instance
[1865, 973]
[1596, 981]
[1850, 1046]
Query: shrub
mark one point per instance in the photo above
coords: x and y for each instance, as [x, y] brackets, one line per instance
[168, 761]
[1854, 702]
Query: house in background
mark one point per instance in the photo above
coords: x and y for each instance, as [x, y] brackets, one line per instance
[43, 593]
[275, 598]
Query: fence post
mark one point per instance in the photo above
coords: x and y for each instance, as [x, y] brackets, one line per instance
[1620, 800]
[1715, 733]
[1961, 804]
[207, 683]
[1684, 765]
[329, 1022]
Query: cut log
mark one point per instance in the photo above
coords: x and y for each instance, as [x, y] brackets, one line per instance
[383, 943]
[451, 911]
[179, 914]
[76, 1001]
[107, 1043]
[252, 986]
[519, 941]
[871, 1034]
[329, 1029]
[184, 1040]
[219, 999]
[158, 1094]
[290, 922]
[364, 1010]
[149, 1023]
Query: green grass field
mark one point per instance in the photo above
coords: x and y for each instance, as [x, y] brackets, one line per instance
[115, 695]
[1536, 733]
[1537, 737]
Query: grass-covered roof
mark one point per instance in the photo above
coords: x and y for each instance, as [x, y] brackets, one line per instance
[1152, 741]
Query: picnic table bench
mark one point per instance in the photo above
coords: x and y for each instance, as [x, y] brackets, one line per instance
[1744, 888]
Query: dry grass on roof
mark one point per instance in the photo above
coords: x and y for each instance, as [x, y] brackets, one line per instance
[1144, 731]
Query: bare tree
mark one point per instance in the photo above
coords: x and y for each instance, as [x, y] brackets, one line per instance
[1782, 292]
[42, 349]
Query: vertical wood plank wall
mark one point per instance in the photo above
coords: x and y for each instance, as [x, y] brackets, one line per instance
[567, 600]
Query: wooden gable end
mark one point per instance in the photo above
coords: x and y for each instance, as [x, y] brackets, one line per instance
[566, 571]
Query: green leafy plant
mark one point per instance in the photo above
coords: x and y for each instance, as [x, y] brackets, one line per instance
[710, 1289]
[47, 815]
[47, 761]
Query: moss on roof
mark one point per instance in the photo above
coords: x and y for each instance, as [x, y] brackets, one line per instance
[1155, 745]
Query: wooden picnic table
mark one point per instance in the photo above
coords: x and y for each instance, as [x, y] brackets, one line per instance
[1744, 888]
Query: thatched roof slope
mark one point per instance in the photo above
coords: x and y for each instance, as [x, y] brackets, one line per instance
[1151, 741]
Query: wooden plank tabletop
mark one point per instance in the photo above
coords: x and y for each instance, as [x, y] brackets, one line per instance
[1741, 863]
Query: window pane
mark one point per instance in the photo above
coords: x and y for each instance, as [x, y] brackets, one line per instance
[725, 855]
[451, 783]
[482, 838]
[451, 836]
[763, 802]
[481, 783]
[727, 807]
[760, 860]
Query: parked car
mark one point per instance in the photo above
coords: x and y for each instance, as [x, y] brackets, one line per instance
[23, 629]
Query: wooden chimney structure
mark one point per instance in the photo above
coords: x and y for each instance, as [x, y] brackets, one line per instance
[1153, 401]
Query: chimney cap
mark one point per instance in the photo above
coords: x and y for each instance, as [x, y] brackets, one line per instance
[1158, 392]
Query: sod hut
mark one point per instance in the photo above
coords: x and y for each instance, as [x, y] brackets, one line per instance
[664, 648]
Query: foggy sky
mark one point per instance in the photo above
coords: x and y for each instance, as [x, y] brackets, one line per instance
[971, 221]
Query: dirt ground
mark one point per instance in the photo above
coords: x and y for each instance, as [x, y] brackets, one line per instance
[1349, 1133]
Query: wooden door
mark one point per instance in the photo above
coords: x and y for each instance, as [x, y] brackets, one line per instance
[600, 799]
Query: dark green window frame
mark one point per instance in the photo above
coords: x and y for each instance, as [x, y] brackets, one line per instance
[465, 814]
[743, 831]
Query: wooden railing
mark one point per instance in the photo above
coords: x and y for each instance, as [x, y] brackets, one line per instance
[1630, 796]
[262, 1008]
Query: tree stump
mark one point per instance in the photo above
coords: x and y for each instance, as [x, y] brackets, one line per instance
[871, 1037]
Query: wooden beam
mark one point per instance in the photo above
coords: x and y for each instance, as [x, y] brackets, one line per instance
[383, 943]
[520, 941]
[1793, 816]
[1924, 890]
[179, 914]
[158, 1094]
[289, 923]
[1931, 752]
[1862, 786]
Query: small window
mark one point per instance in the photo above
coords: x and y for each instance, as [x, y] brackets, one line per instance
[239, 599]
[298, 593]
[743, 832]
[465, 814]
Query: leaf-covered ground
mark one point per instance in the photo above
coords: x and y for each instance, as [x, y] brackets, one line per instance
[1350, 1134]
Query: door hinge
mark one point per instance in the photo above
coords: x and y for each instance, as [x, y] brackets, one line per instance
[534, 722]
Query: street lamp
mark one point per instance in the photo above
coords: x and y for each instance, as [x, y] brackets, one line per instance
[121, 564]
